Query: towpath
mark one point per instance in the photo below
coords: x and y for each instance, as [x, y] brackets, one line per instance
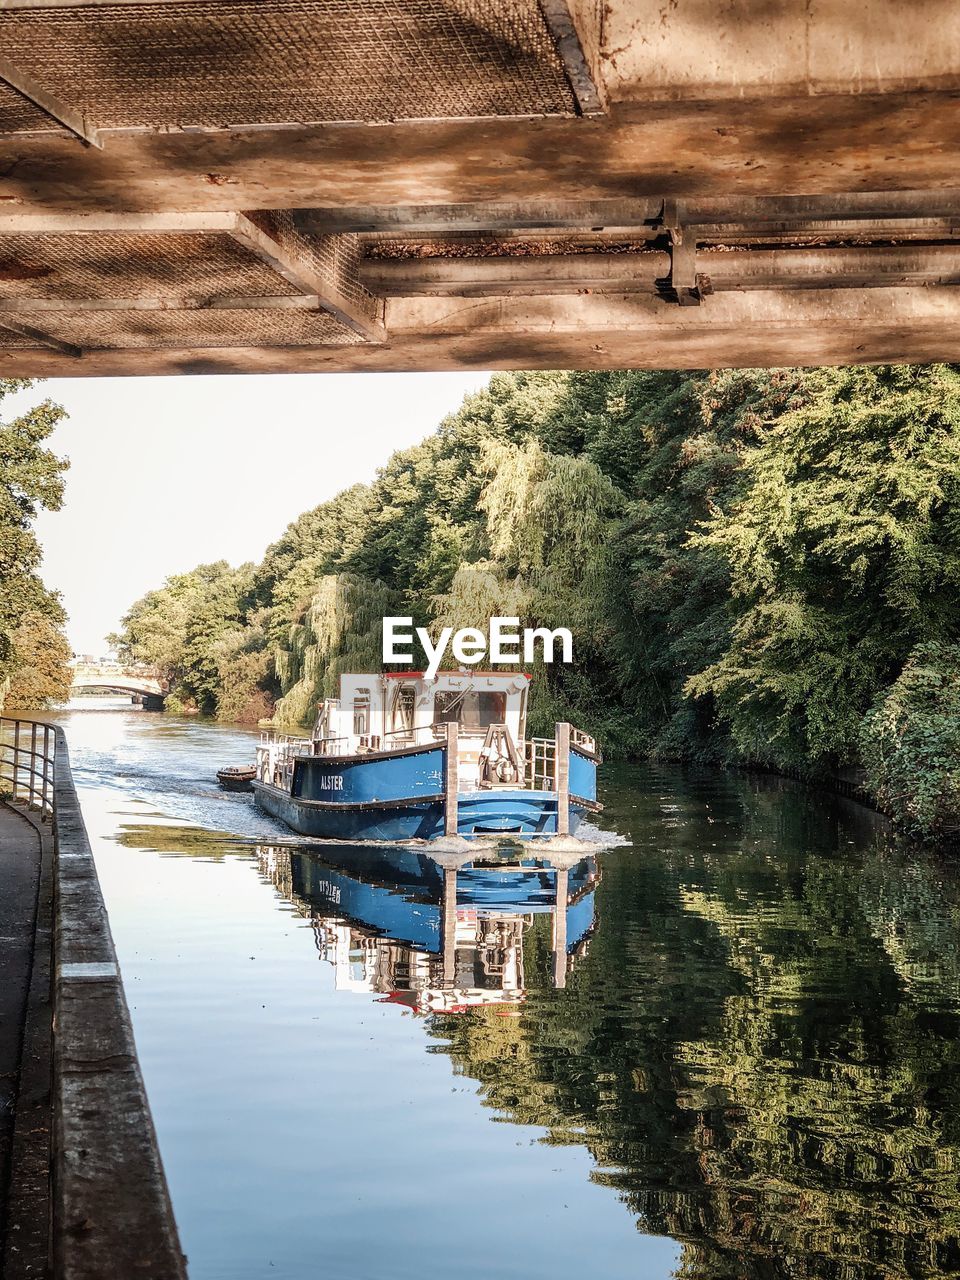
[24, 1057]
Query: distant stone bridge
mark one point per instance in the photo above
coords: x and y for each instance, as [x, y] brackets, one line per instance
[114, 677]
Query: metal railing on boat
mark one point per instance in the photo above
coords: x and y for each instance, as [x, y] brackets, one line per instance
[545, 762]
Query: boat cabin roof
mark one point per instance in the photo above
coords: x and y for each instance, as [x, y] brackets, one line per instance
[508, 677]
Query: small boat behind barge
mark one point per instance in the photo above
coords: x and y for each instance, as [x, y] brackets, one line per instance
[401, 757]
[237, 777]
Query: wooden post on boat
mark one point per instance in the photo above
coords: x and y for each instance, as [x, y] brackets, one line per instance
[562, 776]
[451, 781]
[560, 928]
[448, 925]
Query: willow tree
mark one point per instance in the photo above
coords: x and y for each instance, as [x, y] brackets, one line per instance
[339, 630]
[551, 535]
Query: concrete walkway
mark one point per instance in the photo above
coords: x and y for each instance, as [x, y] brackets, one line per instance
[20, 878]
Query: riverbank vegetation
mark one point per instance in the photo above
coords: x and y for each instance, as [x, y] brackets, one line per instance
[33, 650]
[755, 566]
[758, 1047]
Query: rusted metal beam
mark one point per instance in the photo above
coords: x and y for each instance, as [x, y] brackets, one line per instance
[598, 330]
[847, 267]
[568, 23]
[493, 215]
[272, 302]
[294, 269]
[805, 268]
[862, 230]
[888, 209]
[27, 5]
[550, 273]
[50, 103]
[25, 224]
[684, 285]
[44, 339]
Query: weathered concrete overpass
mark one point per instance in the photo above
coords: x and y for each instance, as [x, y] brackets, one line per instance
[115, 678]
[390, 184]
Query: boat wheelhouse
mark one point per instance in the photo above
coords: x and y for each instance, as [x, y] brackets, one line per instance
[399, 756]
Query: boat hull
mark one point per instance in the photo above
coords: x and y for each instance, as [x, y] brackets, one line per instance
[513, 812]
[399, 795]
[235, 782]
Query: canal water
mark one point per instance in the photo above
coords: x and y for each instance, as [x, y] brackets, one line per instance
[738, 1060]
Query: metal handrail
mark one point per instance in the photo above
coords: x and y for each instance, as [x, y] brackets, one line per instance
[27, 763]
[119, 1144]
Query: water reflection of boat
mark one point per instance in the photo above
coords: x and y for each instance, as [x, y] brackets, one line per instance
[400, 757]
[437, 935]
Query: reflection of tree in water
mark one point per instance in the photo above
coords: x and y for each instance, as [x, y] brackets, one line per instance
[760, 1050]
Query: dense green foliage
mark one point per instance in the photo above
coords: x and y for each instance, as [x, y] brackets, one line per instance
[33, 651]
[191, 630]
[759, 1046]
[746, 558]
[911, 743]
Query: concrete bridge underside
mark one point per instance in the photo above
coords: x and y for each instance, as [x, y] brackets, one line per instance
[90, 679]
[297, 185]
[149, 688]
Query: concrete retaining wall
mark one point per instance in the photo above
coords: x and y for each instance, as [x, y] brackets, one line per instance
[112, 1215]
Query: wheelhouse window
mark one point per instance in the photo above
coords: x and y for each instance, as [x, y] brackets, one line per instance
[476, 709]
[361, 712]
[404, 706]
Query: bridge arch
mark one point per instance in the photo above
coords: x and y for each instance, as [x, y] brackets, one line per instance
[110, 678]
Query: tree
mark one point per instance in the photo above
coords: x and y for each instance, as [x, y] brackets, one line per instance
[843, 552]
[178, 629]
[746, 558]
[42, 671]
[910, 742]
[33, 652]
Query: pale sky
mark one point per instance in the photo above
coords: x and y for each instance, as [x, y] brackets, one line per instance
[167, 473]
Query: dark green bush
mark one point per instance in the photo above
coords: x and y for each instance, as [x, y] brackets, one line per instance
[911, 744]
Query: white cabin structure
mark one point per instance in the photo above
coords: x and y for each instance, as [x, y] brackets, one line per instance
[391, 710]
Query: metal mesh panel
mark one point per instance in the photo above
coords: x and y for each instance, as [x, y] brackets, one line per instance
[93, 330]
[212, 64]
[121, 266]
[18, 114]
[334, 258]
[11, 340]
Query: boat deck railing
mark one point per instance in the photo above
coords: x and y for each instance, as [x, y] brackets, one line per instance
[540, 756]
[275, 757]
[540, 773]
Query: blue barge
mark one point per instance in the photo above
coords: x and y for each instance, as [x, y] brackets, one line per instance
[402, 757]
